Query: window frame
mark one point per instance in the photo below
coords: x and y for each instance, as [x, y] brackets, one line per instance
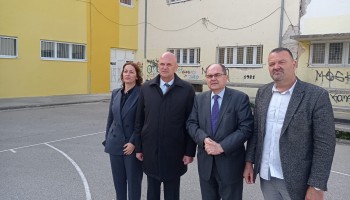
[345, 60]
[237, 58]
[15, 47]
[180, 57]
[56, 53]
[125, 4]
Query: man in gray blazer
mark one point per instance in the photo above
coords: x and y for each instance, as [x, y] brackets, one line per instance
[220, 123]
[293, 143]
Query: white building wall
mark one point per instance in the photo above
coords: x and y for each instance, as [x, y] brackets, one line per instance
[325, 17]
[190, 24]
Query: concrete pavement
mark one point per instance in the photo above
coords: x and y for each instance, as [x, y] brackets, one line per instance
[342, 119]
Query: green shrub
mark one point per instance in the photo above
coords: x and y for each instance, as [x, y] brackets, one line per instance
[343, 135]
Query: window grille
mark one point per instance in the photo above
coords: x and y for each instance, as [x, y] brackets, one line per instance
[330, 53]
[62, 51]
[186, 56]
[126, 2]
[8, 47]
[241, 55]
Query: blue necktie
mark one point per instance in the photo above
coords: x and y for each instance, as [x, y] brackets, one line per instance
[214, 114]
[167, 87]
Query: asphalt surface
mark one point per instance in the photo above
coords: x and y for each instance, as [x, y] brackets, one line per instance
[50, 148]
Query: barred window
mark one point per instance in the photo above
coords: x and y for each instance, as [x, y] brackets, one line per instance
[47, 49]
[8, 47]
[335, 53]
[240, 56]
[78, 51]
[126, 2]
[186, 56]
[331, 53]
[318, 53]
[62, 51]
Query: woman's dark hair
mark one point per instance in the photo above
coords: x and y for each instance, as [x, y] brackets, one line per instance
[138, 73]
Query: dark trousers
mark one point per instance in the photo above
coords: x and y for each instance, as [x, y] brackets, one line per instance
[215, 189]
[171, 189]
[127, 176]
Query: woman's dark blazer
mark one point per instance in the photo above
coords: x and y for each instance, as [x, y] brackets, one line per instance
[120, 123]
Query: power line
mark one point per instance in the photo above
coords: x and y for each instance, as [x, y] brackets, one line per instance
[244, 27]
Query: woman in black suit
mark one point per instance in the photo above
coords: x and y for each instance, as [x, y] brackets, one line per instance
[120, 139]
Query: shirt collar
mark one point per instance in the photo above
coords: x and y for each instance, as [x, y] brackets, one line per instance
[162, 82]
[221, 94]
[290, 90]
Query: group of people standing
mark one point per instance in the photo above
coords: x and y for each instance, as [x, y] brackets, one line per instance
[155, 129]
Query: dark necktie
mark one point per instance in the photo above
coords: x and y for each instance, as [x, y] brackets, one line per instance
[167, 87]
[215, 113]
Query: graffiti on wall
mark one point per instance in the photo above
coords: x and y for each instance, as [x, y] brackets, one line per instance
[332, 76]
[152, 69]
[189, 73]
[340, 98]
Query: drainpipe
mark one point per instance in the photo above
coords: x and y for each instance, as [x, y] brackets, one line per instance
[281, 24]
[145, 34]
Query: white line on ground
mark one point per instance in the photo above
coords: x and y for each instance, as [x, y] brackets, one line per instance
[13, 149]
[82, 176]
[340, 173]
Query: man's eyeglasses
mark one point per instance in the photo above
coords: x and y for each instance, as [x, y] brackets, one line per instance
[210, 76]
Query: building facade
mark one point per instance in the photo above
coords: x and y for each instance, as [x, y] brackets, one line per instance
[64, 47]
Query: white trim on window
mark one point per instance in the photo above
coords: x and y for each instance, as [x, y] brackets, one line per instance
[187, 56]
[175, 1]
[52, 50]
[240, 56]
[8, 47]
[330, 54]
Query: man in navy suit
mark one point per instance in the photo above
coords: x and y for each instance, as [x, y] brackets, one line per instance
[220, 123]
[293, 143]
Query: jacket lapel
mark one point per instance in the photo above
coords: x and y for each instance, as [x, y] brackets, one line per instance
[116, 101]
[130, 102]
[207, 111]
[265, 101]
[297, 96]
[224, 106]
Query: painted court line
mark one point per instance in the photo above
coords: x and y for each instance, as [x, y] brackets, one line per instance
[82, 176]
[13, 149]
[340, 173]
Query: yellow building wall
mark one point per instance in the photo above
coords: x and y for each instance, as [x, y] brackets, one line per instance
[328, 76]
[105, 31]
[31, 21]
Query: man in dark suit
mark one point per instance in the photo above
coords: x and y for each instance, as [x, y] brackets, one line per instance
[220, 123]
[293, 143]
[165, 148]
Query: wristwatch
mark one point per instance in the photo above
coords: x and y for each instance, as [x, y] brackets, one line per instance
[317, 189]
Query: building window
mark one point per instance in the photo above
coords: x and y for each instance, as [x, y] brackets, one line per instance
[175, 1]
[51, 50]
[126, 2]
[242, 56]
[332, 53]
[8, 47]
[187, 57]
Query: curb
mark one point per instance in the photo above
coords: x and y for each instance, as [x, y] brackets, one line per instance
[51, 104]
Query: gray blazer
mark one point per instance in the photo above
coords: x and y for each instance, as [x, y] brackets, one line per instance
[307, 140]
[235, 126]
[120, 122]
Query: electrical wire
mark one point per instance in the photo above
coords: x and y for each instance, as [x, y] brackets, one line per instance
[244, 27]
